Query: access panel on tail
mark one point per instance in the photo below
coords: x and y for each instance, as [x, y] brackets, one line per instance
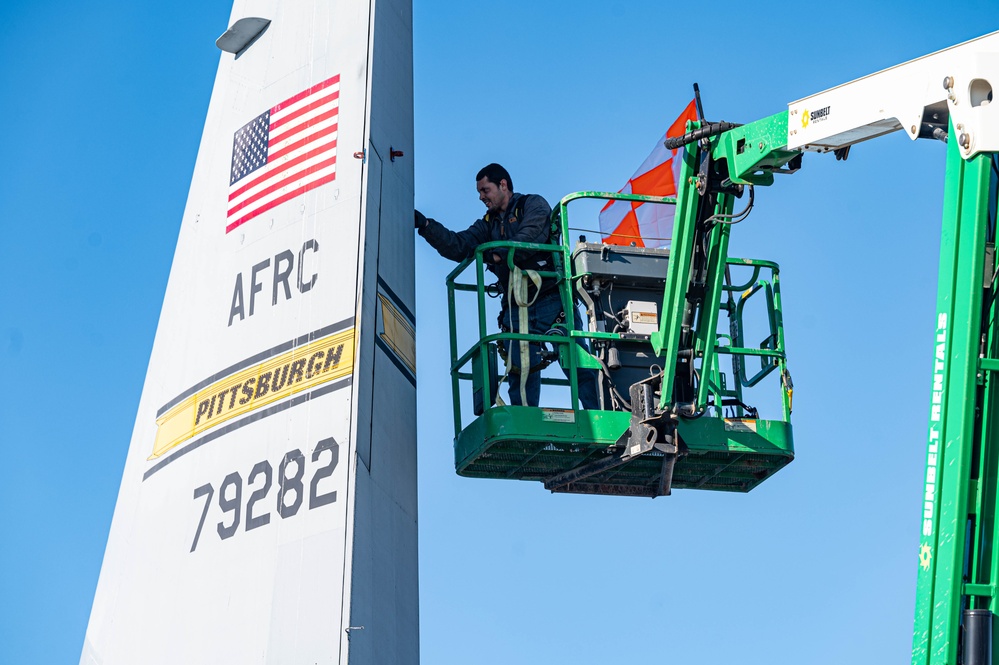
[267, 510]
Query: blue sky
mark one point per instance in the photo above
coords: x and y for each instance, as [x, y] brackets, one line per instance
[105, 106]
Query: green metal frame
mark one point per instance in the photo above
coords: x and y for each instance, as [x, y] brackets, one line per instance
[733, 454]
[958, 565]
[958, 553]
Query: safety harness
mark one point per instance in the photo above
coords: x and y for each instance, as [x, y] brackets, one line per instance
[518, 294]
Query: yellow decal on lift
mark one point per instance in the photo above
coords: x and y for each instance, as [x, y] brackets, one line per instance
[248, 389]
[924, 557]
[558, 416]
[740, 425]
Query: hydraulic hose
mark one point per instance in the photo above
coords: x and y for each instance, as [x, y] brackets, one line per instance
[703, 132]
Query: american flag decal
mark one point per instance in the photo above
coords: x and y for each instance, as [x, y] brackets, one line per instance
[284, 152]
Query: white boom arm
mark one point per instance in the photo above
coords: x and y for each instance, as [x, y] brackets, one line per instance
[958, 80]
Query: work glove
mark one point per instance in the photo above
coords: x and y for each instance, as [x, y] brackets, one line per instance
[420, 219]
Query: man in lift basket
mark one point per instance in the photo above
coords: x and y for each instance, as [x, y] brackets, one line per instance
[514, 217]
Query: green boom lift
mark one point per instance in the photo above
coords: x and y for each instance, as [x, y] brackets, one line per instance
[674, 415]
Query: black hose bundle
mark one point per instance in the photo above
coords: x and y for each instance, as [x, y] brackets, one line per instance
[703, 132]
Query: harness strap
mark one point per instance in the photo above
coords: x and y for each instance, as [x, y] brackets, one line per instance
[518, 289]
[518, 294]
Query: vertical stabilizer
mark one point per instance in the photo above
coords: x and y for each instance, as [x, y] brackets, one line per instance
[267, 510]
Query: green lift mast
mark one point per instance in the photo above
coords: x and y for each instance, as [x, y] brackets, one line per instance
[671, 417]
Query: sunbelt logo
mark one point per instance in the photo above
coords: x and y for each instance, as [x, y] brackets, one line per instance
[809, 117]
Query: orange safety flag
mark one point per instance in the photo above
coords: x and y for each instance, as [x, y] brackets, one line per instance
[648, 224]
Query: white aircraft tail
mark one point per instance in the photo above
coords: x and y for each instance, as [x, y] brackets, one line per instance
[267, 512]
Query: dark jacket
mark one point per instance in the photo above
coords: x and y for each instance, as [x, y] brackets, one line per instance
[533, 227]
